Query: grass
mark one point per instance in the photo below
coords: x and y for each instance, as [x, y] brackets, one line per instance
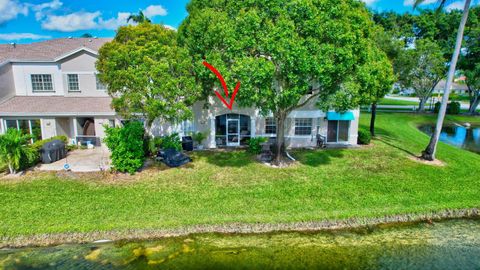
[396, 102]
[227, 187]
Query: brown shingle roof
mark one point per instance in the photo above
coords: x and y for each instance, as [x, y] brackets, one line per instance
[57, 105]
[48, 50]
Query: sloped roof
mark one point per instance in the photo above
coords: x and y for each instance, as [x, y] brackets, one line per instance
[48, 50]
[56, 106]
[455, 86]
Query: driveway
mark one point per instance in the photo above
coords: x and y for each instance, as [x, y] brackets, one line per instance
[88, 160]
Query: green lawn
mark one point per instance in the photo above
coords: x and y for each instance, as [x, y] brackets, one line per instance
[396, 102]
[230, 187]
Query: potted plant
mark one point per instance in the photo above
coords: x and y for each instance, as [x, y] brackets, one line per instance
[199, 137]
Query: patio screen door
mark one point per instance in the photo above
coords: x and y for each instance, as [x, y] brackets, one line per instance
[233, 132]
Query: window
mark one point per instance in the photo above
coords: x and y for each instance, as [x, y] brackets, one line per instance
[72, 81]
[187, 127]
[26, 126]
[100, 85]
[270, 126]
[303, 126]
[338, 131]
[42, 82]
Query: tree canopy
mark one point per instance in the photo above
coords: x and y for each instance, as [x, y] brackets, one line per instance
[147, 74]
[277, 49]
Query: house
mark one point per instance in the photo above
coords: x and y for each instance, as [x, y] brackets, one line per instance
[458, 87]
[50, 88]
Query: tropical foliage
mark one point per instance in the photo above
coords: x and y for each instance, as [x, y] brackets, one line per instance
[15, 151]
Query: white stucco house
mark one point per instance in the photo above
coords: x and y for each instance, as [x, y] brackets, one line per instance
[50, 88]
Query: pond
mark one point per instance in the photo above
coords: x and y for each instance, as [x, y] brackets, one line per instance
[453, 244]
[463, 137]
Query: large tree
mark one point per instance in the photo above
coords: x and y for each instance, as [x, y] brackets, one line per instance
[421, 68]
[429, 152]
[470, 59]
[278, 50]
[147, 74]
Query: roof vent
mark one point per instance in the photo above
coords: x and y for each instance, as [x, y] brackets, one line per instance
[90, 40]
[14, 45]
[70, 37]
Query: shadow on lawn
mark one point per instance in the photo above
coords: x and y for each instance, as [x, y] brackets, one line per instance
[315, 158]
[228, 158]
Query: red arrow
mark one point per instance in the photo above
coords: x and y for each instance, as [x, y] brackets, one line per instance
[225, 88]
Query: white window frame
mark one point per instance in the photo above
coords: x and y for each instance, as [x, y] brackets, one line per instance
[99, 83]
[18, 126]
[272, 124]
[42, 82]
[303, 123]
[70, 83]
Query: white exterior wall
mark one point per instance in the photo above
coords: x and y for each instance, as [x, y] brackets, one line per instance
[7, 85]
[49, 127]
[23, 82]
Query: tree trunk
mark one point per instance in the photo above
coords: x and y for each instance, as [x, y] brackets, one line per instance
[372, 119]
[280, 143]
[474, 102]
[430, 151]
[423, 101]
[10, 168]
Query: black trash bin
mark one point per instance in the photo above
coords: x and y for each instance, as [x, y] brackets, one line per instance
[53, 151]
[187, 143]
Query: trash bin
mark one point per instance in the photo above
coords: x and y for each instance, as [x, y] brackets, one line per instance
[53, 151]
[187, 143]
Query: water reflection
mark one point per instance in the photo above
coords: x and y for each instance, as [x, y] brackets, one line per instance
[463, 137]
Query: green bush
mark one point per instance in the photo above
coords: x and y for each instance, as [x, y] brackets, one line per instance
[454, 107]
[171, 142]
[364, 137]
[254, 146]
[199, 137]
[15, 150]
[126, 145]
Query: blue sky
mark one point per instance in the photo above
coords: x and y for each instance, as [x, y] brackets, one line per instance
[33, 20]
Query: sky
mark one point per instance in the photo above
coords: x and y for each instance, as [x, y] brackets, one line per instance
[35, 20]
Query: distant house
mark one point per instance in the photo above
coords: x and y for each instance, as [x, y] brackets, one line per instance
[50, 88]
[457, 88]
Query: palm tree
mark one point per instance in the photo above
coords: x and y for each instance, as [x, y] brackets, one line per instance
[14, 149]
[138, 18]
[429, 152]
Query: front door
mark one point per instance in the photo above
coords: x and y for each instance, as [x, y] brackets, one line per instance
[233, 132]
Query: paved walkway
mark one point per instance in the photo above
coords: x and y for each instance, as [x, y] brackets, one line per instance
[88, 160]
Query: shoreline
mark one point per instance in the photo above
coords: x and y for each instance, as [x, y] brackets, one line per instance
[44, 240]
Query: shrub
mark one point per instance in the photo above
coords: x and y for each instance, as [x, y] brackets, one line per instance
[199, 137]
[126, 145]
[454, 107]
[254, 146]
[171, 142]
[15, 151]
[364, 137]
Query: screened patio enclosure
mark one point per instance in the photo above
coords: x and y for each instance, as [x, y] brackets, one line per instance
[232, 129]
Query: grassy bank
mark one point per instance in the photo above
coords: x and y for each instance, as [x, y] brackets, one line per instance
[397, 102]
[227, 187]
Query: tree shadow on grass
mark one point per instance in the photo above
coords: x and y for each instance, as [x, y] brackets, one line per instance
[228, 158]
[315, 158]
[391, 140]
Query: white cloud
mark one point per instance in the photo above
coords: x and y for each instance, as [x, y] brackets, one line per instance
[455, 5]
[369, 2]
[152, 11]
[42, 9]
[18, 36]
[91, 20]
[72, 22]
[409, 3]
[10, 9]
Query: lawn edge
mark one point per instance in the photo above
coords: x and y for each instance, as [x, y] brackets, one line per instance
[42, 240]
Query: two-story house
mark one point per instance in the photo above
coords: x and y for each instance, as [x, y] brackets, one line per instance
[50, 88]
